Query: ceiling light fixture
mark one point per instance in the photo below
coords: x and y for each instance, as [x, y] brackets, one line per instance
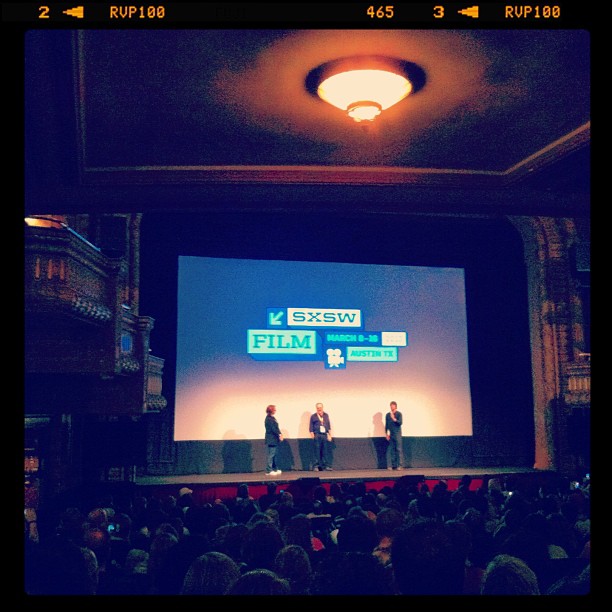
[364, 86]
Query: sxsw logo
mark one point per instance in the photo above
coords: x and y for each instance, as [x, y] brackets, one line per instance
[314, 317]
[285, 338]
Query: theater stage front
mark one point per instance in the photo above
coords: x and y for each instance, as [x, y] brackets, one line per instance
[208, 487]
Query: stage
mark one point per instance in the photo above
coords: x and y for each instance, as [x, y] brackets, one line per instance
[208, 487]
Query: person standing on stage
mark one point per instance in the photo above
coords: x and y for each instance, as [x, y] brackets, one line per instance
[393, 432]
[320, 432]
[273, 438]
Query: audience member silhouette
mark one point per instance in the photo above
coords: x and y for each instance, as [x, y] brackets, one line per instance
[441, 501]
[260, 582]
[160, 545]
[120, 539]
[130, 579]
[482, 548]
[61, 567]
[351, 572]
[509, 524]
[257, 517]
[177, 560]
[268, 498]
[212, 573]
[243, 506]
[529, 544]
[571, 584]
[561, 533]
[321, 501]
[261, 545]
[388, 521]
[292, 563]
[335, 493]
[229, 539]
[273, 515]
[98, 541]
[98, 517]
[154, 515]
[166, 527]
[169, 504]
[508, 575]
[285, 507]
[138, 508]
[218, 514]
[197, 520]
[357, 533]
[298, 530]
[185, 498]
[426, 560]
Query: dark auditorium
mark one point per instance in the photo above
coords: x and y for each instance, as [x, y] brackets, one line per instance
[307, 311]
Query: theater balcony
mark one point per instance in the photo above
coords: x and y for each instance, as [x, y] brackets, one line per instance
[85, 343]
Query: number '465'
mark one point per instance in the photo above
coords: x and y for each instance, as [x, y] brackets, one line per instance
[382, 12]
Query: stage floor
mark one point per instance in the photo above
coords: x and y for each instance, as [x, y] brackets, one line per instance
[439, 473]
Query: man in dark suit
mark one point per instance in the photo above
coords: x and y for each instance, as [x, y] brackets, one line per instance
[273, 437]
[320, 432]
[393, 433]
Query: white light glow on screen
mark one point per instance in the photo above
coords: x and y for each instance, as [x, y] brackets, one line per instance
[222, 391]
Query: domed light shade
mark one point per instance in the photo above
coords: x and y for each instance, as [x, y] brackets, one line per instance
[363, 87]
[364, 93]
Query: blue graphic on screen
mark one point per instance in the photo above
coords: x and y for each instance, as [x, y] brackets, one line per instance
[283, 345]
[293, 333]
[278, 344]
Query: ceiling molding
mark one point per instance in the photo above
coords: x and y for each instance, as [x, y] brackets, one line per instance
[340, 175]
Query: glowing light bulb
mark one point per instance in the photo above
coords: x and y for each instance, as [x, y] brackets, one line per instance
[364, 93]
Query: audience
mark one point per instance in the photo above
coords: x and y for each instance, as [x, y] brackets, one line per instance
[409, 539]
